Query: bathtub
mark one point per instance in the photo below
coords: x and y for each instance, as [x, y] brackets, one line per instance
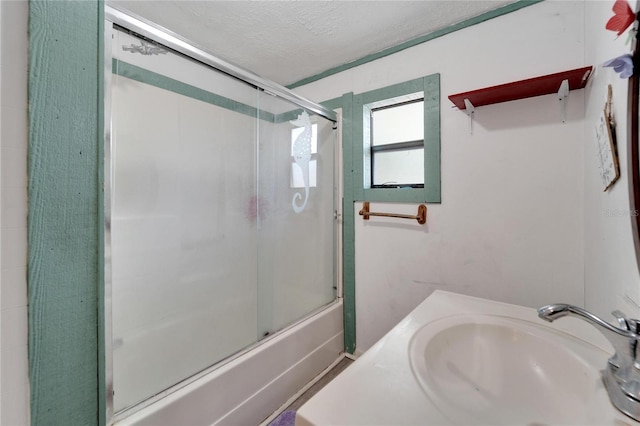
[247, 389]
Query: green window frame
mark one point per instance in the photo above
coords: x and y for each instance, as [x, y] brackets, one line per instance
[425, 87]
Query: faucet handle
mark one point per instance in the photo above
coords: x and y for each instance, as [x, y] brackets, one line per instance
[623, 322]
[631, 388]
[629, 324]
[622, 375]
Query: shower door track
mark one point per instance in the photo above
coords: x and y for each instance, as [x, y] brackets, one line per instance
[181, 45]
[114, 417]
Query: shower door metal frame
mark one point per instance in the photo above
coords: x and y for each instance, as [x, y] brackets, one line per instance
[179, 44]
[118, 17]
[107, 356]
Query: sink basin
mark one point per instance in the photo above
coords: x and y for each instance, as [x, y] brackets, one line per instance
[489, 369]
[462, 360]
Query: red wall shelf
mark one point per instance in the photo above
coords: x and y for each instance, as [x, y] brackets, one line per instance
[537, 86]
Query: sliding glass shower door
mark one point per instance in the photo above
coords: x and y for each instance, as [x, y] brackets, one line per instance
[222, 217]
[296, 225]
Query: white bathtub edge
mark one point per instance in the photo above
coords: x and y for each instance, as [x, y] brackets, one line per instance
[270, 373]
[286, 384]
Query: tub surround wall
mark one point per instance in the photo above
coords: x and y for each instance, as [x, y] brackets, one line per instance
[510, 225]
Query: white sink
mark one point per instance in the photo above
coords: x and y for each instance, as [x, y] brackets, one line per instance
[486, 369]
[461, 360]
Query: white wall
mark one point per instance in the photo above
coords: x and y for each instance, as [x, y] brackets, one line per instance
[611, 273]
[510, 225]
[14, 388]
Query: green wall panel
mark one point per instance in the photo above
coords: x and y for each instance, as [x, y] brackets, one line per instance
[348, 225]
[65, 204]
[432, 157]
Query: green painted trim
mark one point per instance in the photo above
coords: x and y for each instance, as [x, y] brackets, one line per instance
[102, 350]
[377, 97]
[64, 230]
[293, 114]
[362, 103]
[348, 225]
[394, 195]
[357, 147]
[160, 81]
[354, 122]
[432, 152]
[520, 4]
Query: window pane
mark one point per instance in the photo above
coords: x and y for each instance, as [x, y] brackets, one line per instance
[297, 179]
[398, 167]
[398, 124]
[314, 137]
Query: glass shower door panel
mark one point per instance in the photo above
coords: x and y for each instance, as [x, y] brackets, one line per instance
[183, 221]
[296, 223]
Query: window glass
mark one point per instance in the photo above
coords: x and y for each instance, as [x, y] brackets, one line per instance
[396, 148]
[297, 178]
[398, 123]
[401, 167]
[314, 137]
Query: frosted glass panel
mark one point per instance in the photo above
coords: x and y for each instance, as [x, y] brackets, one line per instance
[403, 167]
[184, 184]
[296, 250]
[208, 255]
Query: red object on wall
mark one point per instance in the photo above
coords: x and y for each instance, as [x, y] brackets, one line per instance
[528, 88]
[622, 17]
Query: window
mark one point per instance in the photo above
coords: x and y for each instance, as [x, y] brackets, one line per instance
[397, 142]
[297, 179]
[397, 145]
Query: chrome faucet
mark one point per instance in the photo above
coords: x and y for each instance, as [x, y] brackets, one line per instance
[622, 373]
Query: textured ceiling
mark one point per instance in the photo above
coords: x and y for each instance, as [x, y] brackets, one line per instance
[286, 41]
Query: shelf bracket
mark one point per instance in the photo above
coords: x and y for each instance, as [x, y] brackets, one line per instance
[469, 109]
[563, 96]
